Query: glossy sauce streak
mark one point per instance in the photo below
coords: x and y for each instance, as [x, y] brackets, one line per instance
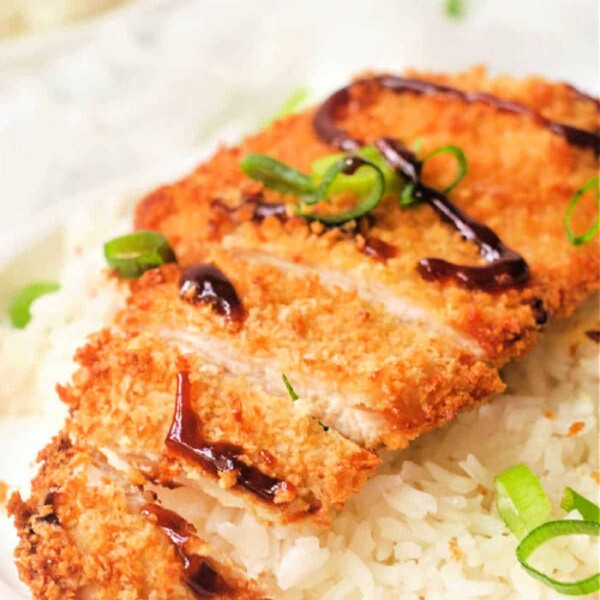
[258, 208]
[198, 575]
[206, 283]
[378, 249]
[506, 267]
[184, 438]
[594, 335]
[328, 131]
[262, 210]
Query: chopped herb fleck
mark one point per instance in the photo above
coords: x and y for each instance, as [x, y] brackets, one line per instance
[289, 387]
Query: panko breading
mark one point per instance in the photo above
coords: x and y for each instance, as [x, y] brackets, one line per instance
[129, 383]
[189, 392]
[520, 180]
[374, 379]
[83, 534]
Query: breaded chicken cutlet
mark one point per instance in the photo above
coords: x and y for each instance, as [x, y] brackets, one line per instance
[87, 531]
[521, 176]
[262, 448]
[283, 349]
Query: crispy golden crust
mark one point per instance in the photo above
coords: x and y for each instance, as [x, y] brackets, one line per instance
[520, 180]
[330, 343]
[82, 536]
[128, 384]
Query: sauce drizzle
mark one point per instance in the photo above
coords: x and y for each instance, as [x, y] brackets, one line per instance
[506, 268]
[378, 249]
[327, 130]
[198, 575]
[206, 283]
[594, 335]
[184, 438]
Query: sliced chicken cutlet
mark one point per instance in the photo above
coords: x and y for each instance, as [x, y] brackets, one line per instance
[360, 371]
[88, 532]
[185, 421]
[521, 177]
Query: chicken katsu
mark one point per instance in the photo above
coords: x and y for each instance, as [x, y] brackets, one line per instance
[87, 531]
[332, 286]
[222, 427]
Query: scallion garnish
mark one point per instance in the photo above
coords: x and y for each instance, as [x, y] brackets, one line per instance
[586, 236]
[455, 8]
[345, 165]
[290, 105]
[461, 159]
[19, 310]
[571, 500]
[362, 180]
[278, 176]
[132, 254]
[287, 180]
[548, 531]
[525, 508]
[289, 388]
[521, 500]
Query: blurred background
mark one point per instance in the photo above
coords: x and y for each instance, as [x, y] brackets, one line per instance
[93, 91]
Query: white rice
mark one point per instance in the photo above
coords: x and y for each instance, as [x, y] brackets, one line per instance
[426, 526]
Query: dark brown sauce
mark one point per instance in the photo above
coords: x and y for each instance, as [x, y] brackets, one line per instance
[258, 209]
[262, 210]
[378, 249]
[327, 130]
[206, 283]
[540, 314]
[594, 335]
[506, 267]
[184, 438]
[198, 575]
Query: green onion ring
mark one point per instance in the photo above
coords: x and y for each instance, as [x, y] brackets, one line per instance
[521, 501]
[290, 105]
[132, 254]
[19, 310]
[289, 388]
[277, 176]
[548, 531]
[360, 182]
[347, 165]
[571, 500]
[461, 159]
[586, 236]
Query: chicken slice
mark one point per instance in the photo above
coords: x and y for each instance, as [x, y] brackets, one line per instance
[182, 420]
[521, 178]
[87, 532]
[372, 378]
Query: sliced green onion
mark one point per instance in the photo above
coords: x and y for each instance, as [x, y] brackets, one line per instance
[521, 500]
[277, 175]
[455, 9]
[290, 105]
[406, 196]
[417, 145]
[461, 159]
[19, 310]
[571, 500]
[360, 182]
[132, 254]
[586, 236]
[369, 201]
[289, 387]
[548, 531]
